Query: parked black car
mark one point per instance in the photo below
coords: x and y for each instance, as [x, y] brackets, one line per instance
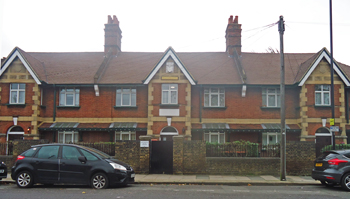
[3, 170]
[333, 167]
[69, 164]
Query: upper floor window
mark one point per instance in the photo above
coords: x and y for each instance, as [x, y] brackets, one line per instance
[322, 95]
[214, 97]
[17, 93]
[271, 97]
[169, 93]
[126, 97]
[69, 97]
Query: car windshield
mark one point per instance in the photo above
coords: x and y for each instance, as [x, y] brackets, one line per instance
[97, 152]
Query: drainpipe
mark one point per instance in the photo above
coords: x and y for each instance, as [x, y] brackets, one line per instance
[346, 104]
[54, 102]
[200, 104]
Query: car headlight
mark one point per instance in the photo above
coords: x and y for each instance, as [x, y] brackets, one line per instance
[117, 166]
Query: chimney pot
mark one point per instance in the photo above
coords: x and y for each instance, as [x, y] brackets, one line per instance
[233, 36]
[113, 36]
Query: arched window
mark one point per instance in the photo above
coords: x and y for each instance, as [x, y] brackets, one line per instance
[15, 133]
[323, 130]
[169, 129]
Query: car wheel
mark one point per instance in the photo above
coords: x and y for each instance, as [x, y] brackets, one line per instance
[345, 182]
[99, 181]
[328, 184]
[24, 179]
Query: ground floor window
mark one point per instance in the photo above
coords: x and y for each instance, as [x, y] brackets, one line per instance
[271, 138]
[125, 135]
[68, 137]
[214, 137]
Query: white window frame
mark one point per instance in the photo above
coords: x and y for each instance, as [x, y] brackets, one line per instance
[167, 91]
[277, 136]
[75, 136]
[17, 91]
[209, 93]
[266, 93]
[131, 92]
[69, 91]
[119, 135]
[323, 92]
[221, 137]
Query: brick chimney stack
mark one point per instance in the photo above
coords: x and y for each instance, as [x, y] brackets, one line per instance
[113, 36]
[233, 36]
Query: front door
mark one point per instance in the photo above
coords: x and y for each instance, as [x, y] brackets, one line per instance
[161, 157]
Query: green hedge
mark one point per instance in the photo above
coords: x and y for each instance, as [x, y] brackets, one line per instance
[337, 147]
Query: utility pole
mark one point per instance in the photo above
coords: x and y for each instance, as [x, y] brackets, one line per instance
[282, 96]
[332, 70]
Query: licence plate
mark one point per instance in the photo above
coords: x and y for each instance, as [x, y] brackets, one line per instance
[133, 175]
[318, 164]
[2, 170]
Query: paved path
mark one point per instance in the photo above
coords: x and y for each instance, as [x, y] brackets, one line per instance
[215, 179]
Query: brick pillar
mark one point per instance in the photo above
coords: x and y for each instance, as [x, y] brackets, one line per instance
[178, 154]
[144, 154]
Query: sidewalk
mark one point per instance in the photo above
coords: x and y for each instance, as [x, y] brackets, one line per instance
[214, 179]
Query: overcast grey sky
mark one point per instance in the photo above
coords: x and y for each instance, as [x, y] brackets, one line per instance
[186, 25]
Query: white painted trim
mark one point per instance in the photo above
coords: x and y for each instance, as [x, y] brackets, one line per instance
[336, 68]
[169, 112]
[169, 133]
[162, 61]
[9, 61]
[161, 133]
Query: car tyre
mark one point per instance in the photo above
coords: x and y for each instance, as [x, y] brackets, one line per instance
[345, 182]
[24, 179]
[99, 181]
[328, 184]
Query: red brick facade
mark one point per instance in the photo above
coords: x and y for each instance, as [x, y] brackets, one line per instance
[243, 111]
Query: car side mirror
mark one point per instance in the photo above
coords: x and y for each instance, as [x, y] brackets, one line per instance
[82, 159]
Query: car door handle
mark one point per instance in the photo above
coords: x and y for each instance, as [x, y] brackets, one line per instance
[36, 162]
[63, 163]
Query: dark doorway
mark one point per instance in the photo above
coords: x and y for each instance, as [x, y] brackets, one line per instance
[322, 141]
[161, 157]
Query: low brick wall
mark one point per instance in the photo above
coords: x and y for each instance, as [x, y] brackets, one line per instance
[242, 166]
[129, 152]
[9, 161]
[19, 146]
[300, 157]
[194, 159]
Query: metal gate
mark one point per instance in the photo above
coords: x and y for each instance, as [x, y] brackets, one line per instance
[161, 157]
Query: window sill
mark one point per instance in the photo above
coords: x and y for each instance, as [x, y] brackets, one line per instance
[214, 107]
[169, 105]
[269, 108]
[322, 106]
[117, 107]
[68, 106]
[12, 105]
